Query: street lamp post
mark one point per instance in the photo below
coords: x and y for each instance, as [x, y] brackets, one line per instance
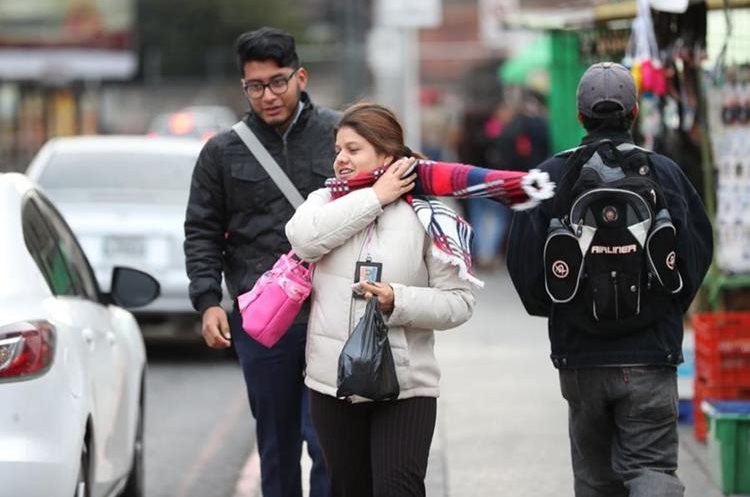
[394, 56]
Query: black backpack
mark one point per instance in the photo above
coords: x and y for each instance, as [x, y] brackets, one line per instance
[610, 247]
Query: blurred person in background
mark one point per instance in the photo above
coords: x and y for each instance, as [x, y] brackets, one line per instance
[523, 142]
[518, 140]
[488, 218]
[436, 124]
[235, 222]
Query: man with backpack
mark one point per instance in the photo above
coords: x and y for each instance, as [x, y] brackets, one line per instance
[234, 225]
[613, 262]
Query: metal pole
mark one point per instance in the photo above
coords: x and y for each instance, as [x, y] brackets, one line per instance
[353, 51]
[410, 91]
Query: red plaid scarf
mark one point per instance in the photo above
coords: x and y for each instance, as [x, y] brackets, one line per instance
[450, 233]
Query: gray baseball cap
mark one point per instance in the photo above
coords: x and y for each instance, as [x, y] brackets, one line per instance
[606, 82]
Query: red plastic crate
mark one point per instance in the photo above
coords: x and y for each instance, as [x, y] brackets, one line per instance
[722, 348]
[704, 391]
[723, 369]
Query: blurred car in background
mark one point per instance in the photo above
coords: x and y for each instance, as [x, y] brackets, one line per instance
[125, 198]
[199, 121]
[72, 359]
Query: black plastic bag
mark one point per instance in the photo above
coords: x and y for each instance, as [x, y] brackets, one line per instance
[366, 365]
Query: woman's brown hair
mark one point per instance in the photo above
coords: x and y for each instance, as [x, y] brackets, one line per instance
[379, 126]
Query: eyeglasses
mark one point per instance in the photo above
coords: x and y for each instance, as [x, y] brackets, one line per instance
[278, 86]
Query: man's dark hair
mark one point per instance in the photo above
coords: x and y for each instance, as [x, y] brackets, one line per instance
[614, 123]
[266, 44]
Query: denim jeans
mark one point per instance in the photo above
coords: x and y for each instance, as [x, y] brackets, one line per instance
[623, 430]
[490, 221]
[279, 402]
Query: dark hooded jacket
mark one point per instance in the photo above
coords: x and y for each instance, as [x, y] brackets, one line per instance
[572, 347]
[236, 214]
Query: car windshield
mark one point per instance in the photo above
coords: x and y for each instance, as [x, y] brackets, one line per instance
[132, 172]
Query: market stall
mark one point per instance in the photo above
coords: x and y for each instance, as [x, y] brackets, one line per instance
[691, 61]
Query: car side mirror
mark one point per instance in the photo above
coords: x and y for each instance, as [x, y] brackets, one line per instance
[132, 288]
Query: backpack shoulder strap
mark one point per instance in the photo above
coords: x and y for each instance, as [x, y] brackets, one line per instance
[575, 159]
[636, 161]
[567, 153]
[627, 147]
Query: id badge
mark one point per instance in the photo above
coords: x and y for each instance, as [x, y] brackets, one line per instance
[367, 271]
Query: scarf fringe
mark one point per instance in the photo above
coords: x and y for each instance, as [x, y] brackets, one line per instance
[537, 186]
[463, 271]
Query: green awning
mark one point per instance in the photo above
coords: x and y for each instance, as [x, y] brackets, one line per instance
[531, 60]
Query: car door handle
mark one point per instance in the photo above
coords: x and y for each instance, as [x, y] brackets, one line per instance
[88, 335]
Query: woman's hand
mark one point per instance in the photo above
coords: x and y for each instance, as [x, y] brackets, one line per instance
[390, 186]
[381, 291]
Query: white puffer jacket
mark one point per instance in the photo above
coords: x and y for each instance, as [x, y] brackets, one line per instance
[429, 295]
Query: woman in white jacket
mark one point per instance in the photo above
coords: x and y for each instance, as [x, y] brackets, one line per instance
[375, 448]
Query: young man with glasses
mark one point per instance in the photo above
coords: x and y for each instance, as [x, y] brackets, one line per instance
[235, 223]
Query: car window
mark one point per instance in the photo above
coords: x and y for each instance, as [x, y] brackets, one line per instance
[56, 251]
[44, 247]
[78, 265]
[112, 171]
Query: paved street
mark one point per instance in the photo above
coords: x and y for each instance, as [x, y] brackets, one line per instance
[199, 431]
[502, 425]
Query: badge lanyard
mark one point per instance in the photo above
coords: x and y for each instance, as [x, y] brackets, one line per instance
[364, 269]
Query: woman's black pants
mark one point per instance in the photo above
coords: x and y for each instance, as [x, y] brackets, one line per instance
[375, 449]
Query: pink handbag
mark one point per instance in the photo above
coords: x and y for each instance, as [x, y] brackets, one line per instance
[269, 309]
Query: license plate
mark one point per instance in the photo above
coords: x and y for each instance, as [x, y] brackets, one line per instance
[130, 246]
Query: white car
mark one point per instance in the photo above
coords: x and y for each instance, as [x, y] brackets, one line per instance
[125, 198]
[72, 360]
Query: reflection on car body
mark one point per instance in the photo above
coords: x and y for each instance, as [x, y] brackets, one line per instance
[72, 359]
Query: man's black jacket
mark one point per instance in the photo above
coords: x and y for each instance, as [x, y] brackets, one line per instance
[573, 347]
[236, 214]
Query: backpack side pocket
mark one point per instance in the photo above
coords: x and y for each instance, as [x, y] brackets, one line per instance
[563, 263]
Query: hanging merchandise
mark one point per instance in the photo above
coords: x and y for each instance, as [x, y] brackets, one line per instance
[681, 38]
[653, 77]
[643, 53]
[645, 64]
[673, 6]
[688, 94]
[650, 122]
[728, 110]
[727, 90]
